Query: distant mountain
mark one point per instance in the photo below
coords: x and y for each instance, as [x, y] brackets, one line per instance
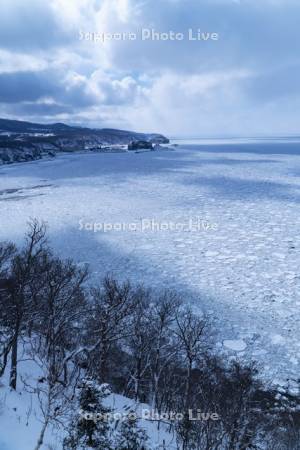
[18, 126]
[108, 135]
[25, 141]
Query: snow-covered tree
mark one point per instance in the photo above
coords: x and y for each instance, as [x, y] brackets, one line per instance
[130, 436]
[91, 428]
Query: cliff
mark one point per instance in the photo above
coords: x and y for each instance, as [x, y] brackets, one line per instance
[25, 141]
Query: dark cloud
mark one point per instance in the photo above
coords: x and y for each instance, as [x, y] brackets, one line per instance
[230, 83]
[29, 25]
[40, 109]
[32, 86]
[26, 86]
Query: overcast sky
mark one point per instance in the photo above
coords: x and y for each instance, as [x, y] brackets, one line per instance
[245, 83]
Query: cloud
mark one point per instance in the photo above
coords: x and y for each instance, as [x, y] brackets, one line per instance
[110, 90]
[25, 86]
[29, 26]
[234, 85]
[14, 62]
[275, 83]
[252, 33]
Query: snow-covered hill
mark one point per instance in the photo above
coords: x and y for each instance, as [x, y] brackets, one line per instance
[21, 418]
[25, 141]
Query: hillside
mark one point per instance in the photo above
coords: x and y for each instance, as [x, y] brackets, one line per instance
[25, 141]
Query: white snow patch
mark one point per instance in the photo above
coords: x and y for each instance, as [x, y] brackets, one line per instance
[237, 345]
[277, 339]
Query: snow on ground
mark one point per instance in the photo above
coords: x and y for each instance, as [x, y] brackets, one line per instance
[21, 419]
[236, 345]
[244, 269]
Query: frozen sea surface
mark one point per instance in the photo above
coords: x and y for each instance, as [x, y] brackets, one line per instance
[245, 271]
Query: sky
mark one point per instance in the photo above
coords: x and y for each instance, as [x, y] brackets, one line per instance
[60, 63]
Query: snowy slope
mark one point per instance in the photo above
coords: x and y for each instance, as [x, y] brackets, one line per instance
[21, 417]
[246, 271]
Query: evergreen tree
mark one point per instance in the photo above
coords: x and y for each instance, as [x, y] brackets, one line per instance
[92, 428]
[130, 435]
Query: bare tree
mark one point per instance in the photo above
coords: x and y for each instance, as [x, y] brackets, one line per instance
[139, 344]
[163, 345]
[25, 267]
[151, 346]
[110, 310]
[61, 308]
[7, 251]
[192, 334]
[56, 337]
